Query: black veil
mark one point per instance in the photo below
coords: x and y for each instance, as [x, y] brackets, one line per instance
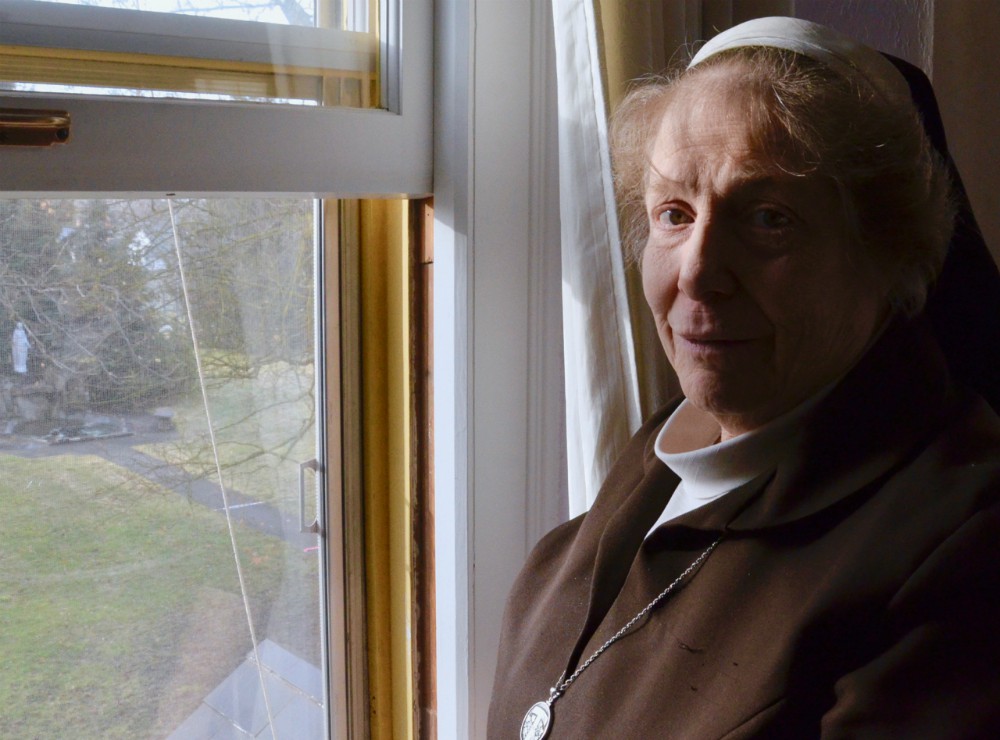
[963, 305]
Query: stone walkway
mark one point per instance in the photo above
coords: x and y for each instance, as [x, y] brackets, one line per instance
[235, 709]
[120, 450]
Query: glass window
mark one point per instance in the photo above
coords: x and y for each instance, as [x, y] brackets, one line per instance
[346, 14]
[339, 118]
[251, 51]
[162, 576]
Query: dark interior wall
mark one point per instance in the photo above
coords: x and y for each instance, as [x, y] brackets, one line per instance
[966, 73]
[956, 42]
[904, 28]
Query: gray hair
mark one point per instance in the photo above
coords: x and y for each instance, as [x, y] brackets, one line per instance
[811, 120]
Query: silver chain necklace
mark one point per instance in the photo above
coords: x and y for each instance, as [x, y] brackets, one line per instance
[538, 720]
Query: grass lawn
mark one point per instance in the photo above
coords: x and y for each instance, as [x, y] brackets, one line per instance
[264, 427]
[120, 608]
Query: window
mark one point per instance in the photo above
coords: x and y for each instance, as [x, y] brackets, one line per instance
[182, 325]
[289, 52]
[155, 145]
[495, 229]
[160, 395]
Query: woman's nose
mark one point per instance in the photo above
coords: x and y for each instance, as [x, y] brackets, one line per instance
[706, 270]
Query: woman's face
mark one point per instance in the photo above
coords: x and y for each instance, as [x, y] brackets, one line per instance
[759, 296]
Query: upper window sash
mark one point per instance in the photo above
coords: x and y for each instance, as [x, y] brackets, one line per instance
[123, 31]
[129, 145]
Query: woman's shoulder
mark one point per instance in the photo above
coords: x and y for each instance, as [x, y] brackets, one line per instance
[636, 472]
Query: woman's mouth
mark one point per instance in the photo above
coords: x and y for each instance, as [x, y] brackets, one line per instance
[712, 345]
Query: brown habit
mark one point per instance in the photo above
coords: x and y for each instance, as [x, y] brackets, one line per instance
[855, 593]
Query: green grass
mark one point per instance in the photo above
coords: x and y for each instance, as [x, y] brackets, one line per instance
[264, 427]
[120, 608]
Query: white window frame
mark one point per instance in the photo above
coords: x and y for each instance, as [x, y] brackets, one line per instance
[499, 465]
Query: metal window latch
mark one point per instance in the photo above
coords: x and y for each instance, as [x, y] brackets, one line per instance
[27, 127]
[314, 527]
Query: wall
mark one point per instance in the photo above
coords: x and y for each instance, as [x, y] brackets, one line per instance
[955, 42]
[904, 29]
[967, 80]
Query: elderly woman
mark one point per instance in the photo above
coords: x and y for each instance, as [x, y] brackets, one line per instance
[808, 543]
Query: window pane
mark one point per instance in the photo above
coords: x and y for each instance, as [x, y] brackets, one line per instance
[347, 14]
[158, 399]
[294, 51]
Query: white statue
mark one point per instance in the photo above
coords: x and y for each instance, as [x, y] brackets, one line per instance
[19, 346]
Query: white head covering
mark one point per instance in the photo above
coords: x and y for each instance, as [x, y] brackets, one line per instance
[840, 53]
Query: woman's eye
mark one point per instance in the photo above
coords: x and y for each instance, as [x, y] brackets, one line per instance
[674, 217]
[769, 218]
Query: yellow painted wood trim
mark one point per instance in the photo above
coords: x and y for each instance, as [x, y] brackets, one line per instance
[387, 453]
[184, 74]
[375, 437]
[163, 60]
[400, 457]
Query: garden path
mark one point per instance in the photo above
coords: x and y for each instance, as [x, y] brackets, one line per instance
[120, 450]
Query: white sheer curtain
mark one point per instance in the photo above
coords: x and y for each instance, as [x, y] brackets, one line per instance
[602, 398]
[615, 370]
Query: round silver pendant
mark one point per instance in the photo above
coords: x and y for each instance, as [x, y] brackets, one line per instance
[535, 725]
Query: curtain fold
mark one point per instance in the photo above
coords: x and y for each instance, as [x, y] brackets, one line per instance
[602, 405]
[615, 370]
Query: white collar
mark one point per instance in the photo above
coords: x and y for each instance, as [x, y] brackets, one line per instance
[687, 444]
